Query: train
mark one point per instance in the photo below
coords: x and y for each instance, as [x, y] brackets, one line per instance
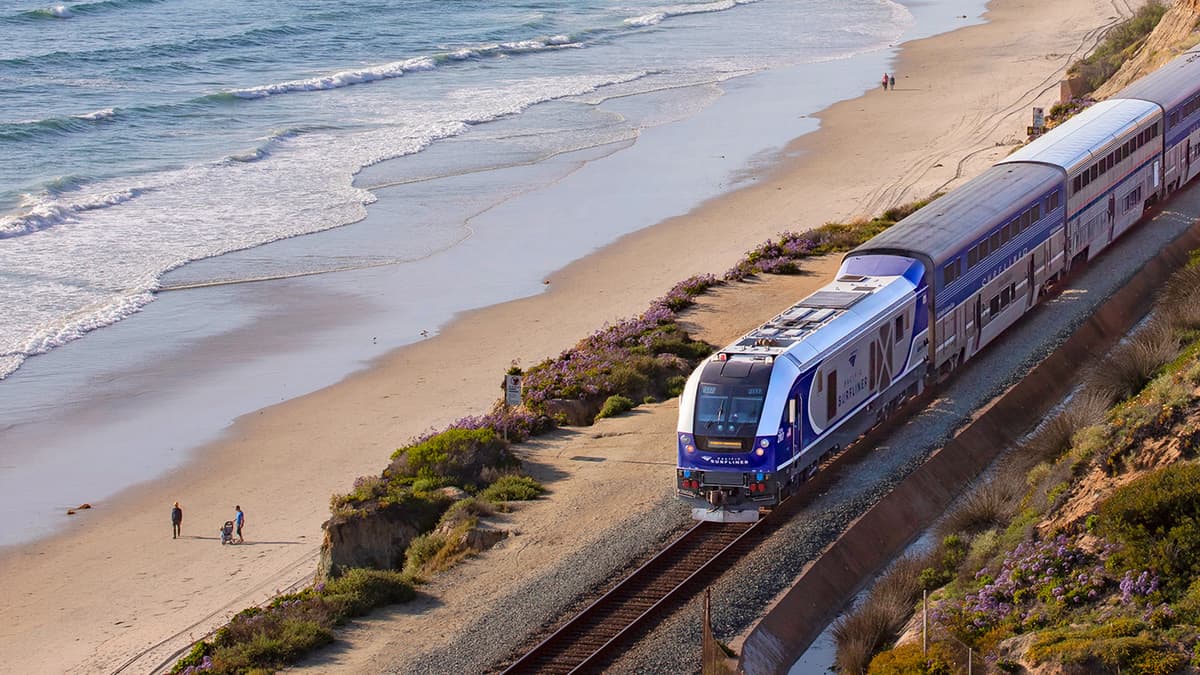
[916, 302]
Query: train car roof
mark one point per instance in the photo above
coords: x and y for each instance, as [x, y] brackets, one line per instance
[1169, 86]
[1072, 143]
[941, 229]
[822, 319]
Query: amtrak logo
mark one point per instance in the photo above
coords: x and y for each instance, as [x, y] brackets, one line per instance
[853, 356]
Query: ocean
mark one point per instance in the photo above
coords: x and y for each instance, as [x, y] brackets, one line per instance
[160, 156]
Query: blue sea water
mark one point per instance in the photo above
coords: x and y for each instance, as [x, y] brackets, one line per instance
[139, 135]
[150, 145]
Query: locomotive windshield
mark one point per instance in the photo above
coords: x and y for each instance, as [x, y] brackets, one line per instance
[729, 401]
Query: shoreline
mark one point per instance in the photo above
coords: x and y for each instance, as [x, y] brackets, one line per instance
[351, 427]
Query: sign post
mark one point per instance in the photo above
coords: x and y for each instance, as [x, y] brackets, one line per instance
[512, 395]
[512, 390]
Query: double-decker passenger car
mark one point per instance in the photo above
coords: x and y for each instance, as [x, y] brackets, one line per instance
[920, 299]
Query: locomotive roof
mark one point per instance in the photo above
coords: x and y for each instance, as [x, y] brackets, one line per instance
[1073, 142]
[1170, 85]
[942, 228]
[795, 330]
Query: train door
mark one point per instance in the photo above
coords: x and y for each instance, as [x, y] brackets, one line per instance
[1031, 282]
[831, 397]
[795, 428]
[1112, 215]
[1187, 161]
[978, 322]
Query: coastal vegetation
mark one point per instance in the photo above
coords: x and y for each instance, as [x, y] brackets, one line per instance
[1118, 45]
[427, 509]
[1083, 550]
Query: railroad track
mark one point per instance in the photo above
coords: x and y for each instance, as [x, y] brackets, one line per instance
[588, 640]
[614, 622]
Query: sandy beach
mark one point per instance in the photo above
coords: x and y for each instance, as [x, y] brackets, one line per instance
[115, 590]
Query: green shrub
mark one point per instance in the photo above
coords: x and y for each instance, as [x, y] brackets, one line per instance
[512, 488]
[675, 385]
[1156, 521]
[455, 455]
[615, 405]
[361, 590]
[421, 551]
[907, 659]
[467, 510]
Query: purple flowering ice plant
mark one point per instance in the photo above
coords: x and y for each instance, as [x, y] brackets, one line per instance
[586, 370]
[1035, 579]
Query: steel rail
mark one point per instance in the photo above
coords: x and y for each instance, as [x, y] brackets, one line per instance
[581, 644]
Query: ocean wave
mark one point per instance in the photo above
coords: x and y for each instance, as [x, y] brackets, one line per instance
[51, 13]
[46, 212]
[338, 80]
[27, 129]
[396, 69]
[663, 13]
[102, 313]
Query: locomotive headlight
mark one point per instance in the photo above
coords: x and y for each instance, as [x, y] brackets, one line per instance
[759, 452]
[763, 444]
[685, 439]
[689, 448]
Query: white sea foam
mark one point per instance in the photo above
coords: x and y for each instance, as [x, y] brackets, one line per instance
[102, 114]
[337, 80]
[109, 266]
[40, 213]
[60, 12]
[662, 13]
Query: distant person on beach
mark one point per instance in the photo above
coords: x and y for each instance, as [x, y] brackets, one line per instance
[238, 519]
[892, 82]
[885, 81]
[176, 520]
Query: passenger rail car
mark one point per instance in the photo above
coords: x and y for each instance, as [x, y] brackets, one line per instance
[917, 301]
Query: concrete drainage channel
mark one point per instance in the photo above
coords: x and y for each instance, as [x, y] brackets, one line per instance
[826, 585]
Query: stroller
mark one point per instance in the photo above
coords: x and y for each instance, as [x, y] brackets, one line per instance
[227, 532]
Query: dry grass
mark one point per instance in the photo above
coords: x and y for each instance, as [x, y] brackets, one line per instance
[877, 622]
[987, 505]
[1133, 362]
[1179, 301]
[1053, 438]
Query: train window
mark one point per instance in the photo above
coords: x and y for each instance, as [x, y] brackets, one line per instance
[1086, 178]
[1035, 214]
[972, 257]
[899, 328]
[1006, 233]
[1053, 203]
[995, 242]
[1076, 186]
[1004, 298]
[994, 306]
[1174, 118]
[1095, 171]
[1111, 160]
[1103, 166]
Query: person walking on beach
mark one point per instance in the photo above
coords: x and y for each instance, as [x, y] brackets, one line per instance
[238, 519]
[892, 81]
[176, 520]
[885, 81]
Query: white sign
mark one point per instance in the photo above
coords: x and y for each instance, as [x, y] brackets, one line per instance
[512, 389]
